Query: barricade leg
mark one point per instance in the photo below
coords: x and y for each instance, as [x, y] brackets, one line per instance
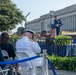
[51, 67]
[45, 63]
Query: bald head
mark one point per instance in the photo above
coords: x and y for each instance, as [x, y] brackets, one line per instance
[29, 35]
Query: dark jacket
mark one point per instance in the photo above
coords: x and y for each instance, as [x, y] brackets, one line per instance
[9, 48]
[58, 22]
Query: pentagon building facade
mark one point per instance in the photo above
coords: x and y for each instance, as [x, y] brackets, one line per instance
[67, 15]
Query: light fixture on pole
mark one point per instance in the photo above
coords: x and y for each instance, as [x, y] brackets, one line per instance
[26, 18]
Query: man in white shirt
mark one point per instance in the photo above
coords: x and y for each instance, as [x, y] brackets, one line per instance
[29, 45]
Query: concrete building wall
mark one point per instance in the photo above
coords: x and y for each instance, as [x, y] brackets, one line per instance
[68, 21]
[44, 24]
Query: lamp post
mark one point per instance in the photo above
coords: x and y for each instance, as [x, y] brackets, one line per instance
[26, 18]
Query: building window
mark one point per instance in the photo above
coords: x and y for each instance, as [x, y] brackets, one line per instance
[42, 26]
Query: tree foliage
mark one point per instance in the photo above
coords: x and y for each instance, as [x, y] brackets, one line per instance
[20, 30]
[10, 15]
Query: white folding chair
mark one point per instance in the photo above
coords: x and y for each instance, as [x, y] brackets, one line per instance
[4, 71]
[27, 64]
[5, 54]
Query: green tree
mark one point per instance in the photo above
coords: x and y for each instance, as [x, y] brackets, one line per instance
[20, 30]
[10, 15]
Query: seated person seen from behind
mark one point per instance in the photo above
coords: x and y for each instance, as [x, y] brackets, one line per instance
[5, 45]
[29, 45]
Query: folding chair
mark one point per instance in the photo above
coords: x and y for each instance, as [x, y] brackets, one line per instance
[6, 58]
[4, 71]
[5, 54]
[27, 64]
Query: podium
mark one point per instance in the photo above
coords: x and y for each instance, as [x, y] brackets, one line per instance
[53, 31]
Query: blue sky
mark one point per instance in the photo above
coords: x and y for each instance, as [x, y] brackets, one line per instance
[41, 7]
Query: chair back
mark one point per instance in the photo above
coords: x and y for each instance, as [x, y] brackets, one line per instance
[5, 54]
[4, 71]
[23, 55]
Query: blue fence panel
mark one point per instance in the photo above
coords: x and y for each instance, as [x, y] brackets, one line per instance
[59, 50]
[42, 46]
[50, 49]
[74, 40]
[71, 50]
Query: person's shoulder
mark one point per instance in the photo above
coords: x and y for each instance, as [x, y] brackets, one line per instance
[9, 44]
[19, 40]
[59, 19]
[54, 19]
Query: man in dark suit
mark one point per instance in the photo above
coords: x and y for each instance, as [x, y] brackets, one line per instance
[58, 24]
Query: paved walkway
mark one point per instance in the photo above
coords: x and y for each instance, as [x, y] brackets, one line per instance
[59, 72]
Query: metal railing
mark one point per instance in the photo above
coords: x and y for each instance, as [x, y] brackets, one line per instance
[60, 47]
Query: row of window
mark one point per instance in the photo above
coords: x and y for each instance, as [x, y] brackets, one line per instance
[69, 23]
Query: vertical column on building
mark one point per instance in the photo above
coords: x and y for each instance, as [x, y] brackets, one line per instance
[65, 23]
[74, 23]
[69, 23]
[62, 25]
